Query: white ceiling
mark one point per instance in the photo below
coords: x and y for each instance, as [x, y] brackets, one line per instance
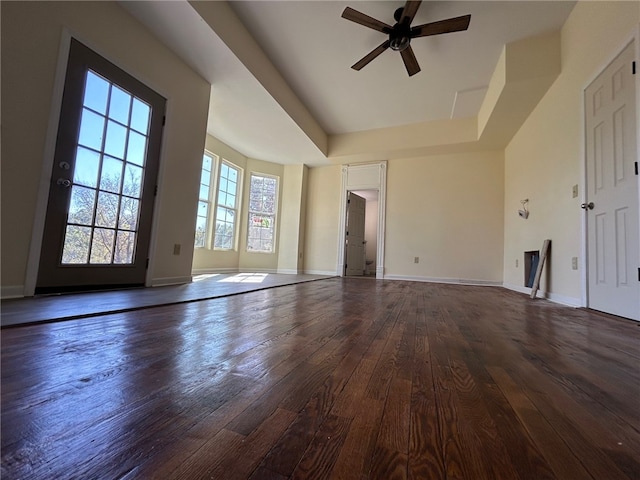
[312, 48]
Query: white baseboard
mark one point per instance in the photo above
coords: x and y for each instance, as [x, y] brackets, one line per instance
[320, 272]
[568, 301]
[552, 297]
[165, 281]
[525, 290]
[257, 270]
[288, 271]
[212, 271]
[455, 281]
[12, 291]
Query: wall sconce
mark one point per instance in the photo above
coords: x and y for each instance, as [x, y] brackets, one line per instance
[524, 213]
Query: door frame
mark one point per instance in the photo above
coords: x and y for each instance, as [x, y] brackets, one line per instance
[633, 38]
[37, 232]
[369, 176]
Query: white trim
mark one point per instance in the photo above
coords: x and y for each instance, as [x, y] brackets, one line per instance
[288, 271]
[552, 297]
[380, 184]
[257, 270]
[165, 281]
[456, 281]
[342, 231]
[320, 272]
[568, 301]
[525, 290]
[12, 291]
[212, 271]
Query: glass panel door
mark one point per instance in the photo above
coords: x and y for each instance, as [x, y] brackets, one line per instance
[101, 196]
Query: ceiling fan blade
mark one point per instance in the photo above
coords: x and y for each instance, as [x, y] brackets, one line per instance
[409, 11]
[358, 17]
[410, 62]
[456, 24]
[371, 55]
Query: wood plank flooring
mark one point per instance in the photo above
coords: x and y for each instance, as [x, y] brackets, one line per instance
[336, 378]
[53, 307]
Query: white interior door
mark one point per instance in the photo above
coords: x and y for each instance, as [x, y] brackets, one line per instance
[612, 190]
[354, 264]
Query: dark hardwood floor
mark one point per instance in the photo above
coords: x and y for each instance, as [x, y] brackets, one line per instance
[336, 378]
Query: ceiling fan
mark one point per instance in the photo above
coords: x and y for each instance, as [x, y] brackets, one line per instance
[402, 32]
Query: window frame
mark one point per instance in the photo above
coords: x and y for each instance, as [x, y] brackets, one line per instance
[212, 187]
[213, 205]
[251, 212]
[235, 209]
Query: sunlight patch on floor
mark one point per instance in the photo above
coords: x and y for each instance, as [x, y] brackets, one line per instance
[205, 276]
[246, 278]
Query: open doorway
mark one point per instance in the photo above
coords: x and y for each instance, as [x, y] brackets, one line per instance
[366, 264]
[370, 181]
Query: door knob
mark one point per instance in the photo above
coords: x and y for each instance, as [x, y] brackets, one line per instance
[65, 182]
[589, 206]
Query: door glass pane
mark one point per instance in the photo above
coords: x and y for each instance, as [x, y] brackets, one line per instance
[91, 130]
[129, 210]
[76, 244]
[132, 185]
[136, 151]
[102, 245]
[86, 168]
[81, 205]
[201, 230]
[125, 245]
[107, 210]
[119, 105]
[111, 176]
[116, 138]
[96, 93]
[140, 116]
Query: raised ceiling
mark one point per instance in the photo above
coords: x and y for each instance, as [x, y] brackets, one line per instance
[280, 71]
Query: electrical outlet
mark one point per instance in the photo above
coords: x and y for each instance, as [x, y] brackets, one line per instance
[416, 259]
[574, 263]
[516, 263]
[574, 191]
[176, 248]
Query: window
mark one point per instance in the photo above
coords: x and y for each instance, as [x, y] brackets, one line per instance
[227, 178]
[204, 200]
[226, 208]
[263, 201]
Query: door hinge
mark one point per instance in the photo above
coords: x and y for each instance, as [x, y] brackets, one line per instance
[164, 120]
[348, 201]
[146, 265]
[155, 191]
[639, 274]
[347, 232]
[636, 167]
[633, 68]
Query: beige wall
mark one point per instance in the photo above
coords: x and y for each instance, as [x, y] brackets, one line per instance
[293, 204]
[448, 211]
[323, 218]
[31, 39]
[545, 158]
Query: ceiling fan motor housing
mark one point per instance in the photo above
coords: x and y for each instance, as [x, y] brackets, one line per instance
[399, 38]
